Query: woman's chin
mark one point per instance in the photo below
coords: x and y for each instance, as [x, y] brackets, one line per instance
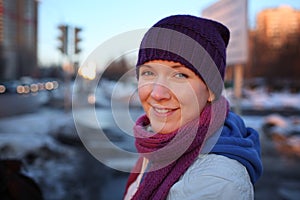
[163, 128]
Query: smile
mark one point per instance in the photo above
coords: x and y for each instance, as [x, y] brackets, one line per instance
[163, 111]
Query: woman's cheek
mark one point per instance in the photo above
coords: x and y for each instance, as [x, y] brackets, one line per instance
[144, 90]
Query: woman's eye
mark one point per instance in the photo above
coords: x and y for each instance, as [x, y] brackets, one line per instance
[181, 75]
[147, 73]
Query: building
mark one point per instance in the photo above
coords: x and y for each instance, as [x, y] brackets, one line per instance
[18, 38]
[278, 26]
[275, 45]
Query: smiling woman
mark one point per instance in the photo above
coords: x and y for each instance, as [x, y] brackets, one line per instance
[191, 145]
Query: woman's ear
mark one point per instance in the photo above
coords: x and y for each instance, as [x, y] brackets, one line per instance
[211, 97]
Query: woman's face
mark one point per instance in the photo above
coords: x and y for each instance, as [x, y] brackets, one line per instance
[171, 94]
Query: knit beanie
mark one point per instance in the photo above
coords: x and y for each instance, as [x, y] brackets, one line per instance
[197, 43]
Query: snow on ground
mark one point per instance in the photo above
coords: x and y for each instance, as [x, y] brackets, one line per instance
[261, 98]
[28, 132]
[28, 137]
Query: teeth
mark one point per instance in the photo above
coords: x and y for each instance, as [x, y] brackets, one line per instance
[159, 110]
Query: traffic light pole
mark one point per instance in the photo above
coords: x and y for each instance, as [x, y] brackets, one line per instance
[76, 48]
[63, 39]
[77, 39]
[68, 48]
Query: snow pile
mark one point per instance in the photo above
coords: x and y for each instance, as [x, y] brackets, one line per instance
[29, 137]
[262, 99]
[284, 132]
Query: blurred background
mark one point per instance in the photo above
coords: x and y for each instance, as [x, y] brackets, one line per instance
[44, 45]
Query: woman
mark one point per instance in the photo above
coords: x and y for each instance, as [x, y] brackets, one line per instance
[191, 145]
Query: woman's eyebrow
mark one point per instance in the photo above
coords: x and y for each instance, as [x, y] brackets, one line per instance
[148, 66]
[172, 66]
[177, 66]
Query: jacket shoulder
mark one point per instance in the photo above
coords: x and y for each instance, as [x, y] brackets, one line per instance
[213, 176]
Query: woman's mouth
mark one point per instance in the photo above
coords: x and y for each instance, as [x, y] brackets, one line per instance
[163, 112]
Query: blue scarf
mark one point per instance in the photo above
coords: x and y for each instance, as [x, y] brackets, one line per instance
[240, 143]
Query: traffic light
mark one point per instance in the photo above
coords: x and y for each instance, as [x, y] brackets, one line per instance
[77, 39]
[63, 38]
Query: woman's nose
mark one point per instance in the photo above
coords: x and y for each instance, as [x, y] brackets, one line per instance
[160, 92]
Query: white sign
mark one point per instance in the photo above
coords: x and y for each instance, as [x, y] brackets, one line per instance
[233, 14]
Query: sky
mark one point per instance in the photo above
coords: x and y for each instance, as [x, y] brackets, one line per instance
[100, 20]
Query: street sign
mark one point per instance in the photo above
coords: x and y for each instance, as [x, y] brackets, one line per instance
[233, 14]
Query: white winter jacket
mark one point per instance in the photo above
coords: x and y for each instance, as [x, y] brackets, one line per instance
[210, 177]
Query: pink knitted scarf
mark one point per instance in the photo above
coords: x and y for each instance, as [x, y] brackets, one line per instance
[170, 155]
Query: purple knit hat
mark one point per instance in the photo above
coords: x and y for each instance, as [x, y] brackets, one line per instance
[198, 43]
